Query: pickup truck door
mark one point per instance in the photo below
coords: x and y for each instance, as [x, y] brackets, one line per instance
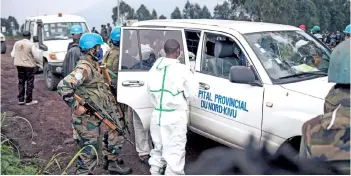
[140, 47]
[224, 111]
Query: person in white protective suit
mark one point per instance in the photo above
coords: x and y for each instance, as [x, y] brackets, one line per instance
[142, 139]
[170, 84]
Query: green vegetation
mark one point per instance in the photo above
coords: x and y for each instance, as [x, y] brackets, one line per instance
[330, 15]
[11, 164]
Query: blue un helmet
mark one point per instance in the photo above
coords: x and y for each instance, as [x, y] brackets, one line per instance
[116, 34]
[90, 40]
[76, 29]
[339, 65]
[347, 29]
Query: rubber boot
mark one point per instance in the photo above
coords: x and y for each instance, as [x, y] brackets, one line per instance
[117, 167]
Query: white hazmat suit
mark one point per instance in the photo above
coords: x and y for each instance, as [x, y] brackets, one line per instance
[170, 84]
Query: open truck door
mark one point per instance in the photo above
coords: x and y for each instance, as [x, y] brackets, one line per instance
[140, 48]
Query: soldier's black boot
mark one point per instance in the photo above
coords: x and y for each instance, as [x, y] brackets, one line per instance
[118, 167]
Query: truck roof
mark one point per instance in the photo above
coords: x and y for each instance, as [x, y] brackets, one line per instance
[57, 19]
[239, 26]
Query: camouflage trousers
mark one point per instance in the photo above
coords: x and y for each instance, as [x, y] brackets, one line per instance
[87, 131]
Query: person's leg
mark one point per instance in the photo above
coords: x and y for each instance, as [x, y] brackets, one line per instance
[21, 84]
[30, 74]
[112, 145]
[87, 128]
[142, 139]
[156, 160]
[174, 141]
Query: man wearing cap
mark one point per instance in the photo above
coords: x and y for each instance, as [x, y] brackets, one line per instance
[26, 56]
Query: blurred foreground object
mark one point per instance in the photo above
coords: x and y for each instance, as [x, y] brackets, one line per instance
[254, 161]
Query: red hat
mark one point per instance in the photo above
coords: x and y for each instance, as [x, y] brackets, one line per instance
[302, 26]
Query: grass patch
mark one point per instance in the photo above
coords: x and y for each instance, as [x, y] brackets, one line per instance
[11, 164]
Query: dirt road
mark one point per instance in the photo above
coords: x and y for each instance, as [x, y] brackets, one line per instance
[50, 119]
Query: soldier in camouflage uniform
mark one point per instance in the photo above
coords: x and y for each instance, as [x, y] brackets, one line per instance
[87, 82]
[327, 136]
[111, 58]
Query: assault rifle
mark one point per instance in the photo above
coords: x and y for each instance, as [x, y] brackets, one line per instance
[113, 90]
[102, 115]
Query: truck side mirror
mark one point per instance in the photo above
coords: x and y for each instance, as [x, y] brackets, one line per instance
[243, 75]
[43, 47]
[40, 35]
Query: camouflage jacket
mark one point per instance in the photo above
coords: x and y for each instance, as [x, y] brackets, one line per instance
[335, 95]
[111, 59]
[87, 82]
[327, 136]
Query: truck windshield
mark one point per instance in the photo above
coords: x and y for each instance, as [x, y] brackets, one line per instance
[290, 55]
[60, 31]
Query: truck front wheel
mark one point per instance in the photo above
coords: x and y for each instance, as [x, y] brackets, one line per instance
[51, 80]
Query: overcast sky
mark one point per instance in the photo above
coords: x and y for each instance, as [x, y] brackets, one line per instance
[95, 12]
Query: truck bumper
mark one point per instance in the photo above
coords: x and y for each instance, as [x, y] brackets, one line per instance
[56, 68]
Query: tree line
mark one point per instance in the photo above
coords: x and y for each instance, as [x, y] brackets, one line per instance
[331, 15]
[6, 22]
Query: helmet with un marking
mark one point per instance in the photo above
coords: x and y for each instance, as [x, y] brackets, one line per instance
[339, 64]
[116, 34]
[76, 29]
[316, 28]
[90, 40]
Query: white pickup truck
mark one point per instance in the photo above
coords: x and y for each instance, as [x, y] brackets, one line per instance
[52, 35]
[278, 77]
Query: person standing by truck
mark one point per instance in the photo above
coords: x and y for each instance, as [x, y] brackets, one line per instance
[104, 33]
[73, 54]
[87, 81]
[316, 32]
[170, 84]
[109, 29]
[111, 58]
[76, 32]
[26, 56]
[327, 136]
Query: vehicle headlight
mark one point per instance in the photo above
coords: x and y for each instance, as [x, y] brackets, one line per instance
[52, 56]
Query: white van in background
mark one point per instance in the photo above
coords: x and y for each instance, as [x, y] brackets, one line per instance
[52, 35]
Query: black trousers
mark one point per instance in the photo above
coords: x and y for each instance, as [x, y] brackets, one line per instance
[25, 76]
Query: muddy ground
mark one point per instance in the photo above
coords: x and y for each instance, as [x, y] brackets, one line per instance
[50, 119]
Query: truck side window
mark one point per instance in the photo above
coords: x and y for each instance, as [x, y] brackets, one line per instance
[26, 26]
[192, 41]
[220, 53]
[31, 27]
[141, 54]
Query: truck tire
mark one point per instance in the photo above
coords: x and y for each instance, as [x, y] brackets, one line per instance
[51, 80]
[3, 47]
